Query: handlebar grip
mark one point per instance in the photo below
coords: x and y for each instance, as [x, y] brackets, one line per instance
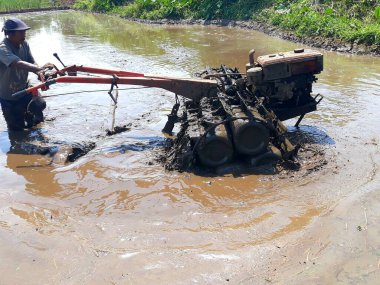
[19, 94]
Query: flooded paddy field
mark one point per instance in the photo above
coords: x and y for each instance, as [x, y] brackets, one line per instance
[115, 216]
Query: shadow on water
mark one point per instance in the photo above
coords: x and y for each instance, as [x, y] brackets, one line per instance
[244, 167]
[30, 155]
[34, 142]
[142, 144]
[309, 135]
[24, 142]
[238, 169]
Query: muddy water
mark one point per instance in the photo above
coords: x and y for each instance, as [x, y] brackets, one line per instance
[116, 217]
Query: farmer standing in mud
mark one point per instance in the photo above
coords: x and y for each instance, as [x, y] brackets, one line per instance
[16, 61]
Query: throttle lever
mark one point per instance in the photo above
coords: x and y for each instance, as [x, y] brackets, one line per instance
[57, 57]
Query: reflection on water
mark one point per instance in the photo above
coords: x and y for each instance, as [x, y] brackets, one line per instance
[28, 156]
[119, 183]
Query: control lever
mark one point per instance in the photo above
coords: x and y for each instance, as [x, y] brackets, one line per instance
[70, 73]
[57, 57]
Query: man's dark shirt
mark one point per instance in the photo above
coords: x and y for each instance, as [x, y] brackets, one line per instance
[13, 79]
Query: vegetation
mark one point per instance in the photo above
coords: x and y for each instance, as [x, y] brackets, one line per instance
[176, 9]
[154, 10]
[349, 20]
[98, 5]
[10, 5]
[17, 5]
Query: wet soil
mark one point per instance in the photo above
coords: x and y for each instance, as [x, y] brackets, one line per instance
[329, 44]
[118, 130]
[114, 217]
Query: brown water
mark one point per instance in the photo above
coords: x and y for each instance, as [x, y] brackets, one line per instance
[114, 217]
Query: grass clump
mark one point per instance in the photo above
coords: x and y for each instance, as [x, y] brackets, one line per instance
[356, 23]
[17, 5]
[14, 5]
[97, 5]
[155, 9]
[176, 9]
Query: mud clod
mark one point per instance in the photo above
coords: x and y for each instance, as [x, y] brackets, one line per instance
[118, 130]
[80, 150]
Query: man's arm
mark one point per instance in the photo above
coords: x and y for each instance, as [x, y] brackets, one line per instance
[8, 58]
[26, 66]
[30, 67]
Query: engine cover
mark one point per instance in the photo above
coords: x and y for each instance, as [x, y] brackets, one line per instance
[284, 65]
[285, 80]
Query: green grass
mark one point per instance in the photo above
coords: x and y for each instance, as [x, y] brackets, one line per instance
[16, 5]
[305, 19]
[10, 5]
[154, 10]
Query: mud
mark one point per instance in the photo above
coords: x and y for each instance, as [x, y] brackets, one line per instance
[317, 41]
[114, 217]
[33, 142]
[79, 150]
[118, 130]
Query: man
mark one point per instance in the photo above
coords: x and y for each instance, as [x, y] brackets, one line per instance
[16, 61]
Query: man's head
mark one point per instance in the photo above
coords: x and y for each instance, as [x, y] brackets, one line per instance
[15, 30]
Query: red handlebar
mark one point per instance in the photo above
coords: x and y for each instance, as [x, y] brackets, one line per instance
[193, 89]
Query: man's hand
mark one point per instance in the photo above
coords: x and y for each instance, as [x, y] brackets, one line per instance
[44, 73]
[48, 65]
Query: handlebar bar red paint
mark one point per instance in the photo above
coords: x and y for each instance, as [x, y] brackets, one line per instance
[120, 73]
[193, 89]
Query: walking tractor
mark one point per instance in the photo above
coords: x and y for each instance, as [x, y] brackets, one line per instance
[224, 115]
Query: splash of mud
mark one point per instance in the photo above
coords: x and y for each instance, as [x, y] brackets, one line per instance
[118, 130]
[79, 150]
